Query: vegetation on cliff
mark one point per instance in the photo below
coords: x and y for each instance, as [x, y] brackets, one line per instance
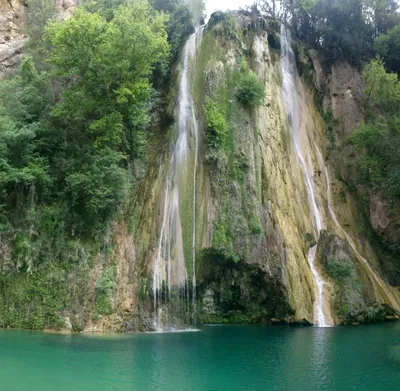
[342, 29]
[378, 140]
[364, 33]
[74, 124]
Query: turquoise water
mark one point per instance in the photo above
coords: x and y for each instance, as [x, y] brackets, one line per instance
[216, 358]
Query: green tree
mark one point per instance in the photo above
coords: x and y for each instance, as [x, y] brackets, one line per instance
[104, 111]
[378, 140]
[382, 88]
[388, 47]
[110, 64]
[24, 105]
[180, 26]
[38, 13]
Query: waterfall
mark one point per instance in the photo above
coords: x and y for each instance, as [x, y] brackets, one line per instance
[170, 277]
[383, 286]
[291, 100]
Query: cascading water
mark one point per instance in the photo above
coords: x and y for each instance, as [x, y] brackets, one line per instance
[389, 295]
[170, 277]
[291, 100]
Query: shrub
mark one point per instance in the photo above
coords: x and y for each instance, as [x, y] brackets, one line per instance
[217, 127]
[250, 91]
[104, 290]
[339, 271]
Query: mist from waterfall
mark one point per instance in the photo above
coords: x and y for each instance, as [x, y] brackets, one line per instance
[171, 293]
[291, 100]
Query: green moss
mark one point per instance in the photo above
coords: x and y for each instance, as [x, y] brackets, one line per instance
[223, 239]
[104, 291]
[255, 226]
[143, 289]
[239, 167]
[40, 300]
[235, 317]
[372, 314]
[242, 293]
[210, 51]
[331, 124]
[274, 42]
[309, 239]
[217, 131]
[342, 196]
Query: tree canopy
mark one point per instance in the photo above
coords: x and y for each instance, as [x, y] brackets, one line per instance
[340, 29]
[74, 118]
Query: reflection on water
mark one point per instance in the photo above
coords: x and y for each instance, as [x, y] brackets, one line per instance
[216, 358]
[308, 357]
[321, 357]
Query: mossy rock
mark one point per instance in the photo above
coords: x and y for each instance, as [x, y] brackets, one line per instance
[372, 314]
[340, 264]
[240, 292]
[274, 41]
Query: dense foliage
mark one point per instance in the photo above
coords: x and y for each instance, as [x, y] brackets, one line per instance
[250, 91]
[216, 129]
[74, 123]
[342, 29]
[378, 140]
[180, 23]
[388, 47]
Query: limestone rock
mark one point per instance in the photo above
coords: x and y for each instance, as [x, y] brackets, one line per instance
[12, 35]
[208, 302]
[319, 72]
[346, 95]
[68, 324]
[337, 259]
[384, 223]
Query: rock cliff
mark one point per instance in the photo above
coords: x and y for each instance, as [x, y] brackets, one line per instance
[253, 220]
[13, 32]
[246, 219]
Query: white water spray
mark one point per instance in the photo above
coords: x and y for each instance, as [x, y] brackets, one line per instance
[291, 99]
[170, 277]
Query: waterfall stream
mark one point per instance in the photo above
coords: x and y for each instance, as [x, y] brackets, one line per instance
[291, 100]
[170, 278]
[382, 285]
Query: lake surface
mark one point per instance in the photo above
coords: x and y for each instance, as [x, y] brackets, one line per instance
[215, 358]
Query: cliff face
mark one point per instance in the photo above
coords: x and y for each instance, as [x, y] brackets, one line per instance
[254, 224]
[341, 91]
[246, 220]
[11, 36]
[12, 29]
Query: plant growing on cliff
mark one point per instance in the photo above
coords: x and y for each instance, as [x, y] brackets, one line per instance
[339, 271]
[388, 47]
[222, 240]
[37, 14]
[382, 87]
[378, 140]
[64, 156]
[249, 89]
[106, 68]
[104, 290]
[216, 129]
